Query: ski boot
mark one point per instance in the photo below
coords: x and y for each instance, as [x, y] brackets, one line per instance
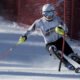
[75, 57]
[69, 66]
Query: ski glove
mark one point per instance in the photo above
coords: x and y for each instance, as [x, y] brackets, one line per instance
[22, 39]
[59, 30]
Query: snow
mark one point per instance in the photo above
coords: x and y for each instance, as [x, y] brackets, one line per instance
[37, 73]
[30, 60]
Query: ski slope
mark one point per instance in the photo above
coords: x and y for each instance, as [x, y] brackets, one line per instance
[30, 60]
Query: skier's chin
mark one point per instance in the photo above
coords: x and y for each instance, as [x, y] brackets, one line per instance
[49, 18]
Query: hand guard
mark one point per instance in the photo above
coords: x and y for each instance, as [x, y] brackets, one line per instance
[22, 39]
[59, 30]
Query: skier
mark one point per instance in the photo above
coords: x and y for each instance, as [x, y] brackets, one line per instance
[52, 28]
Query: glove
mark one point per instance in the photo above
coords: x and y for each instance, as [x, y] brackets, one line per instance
[22, 39]
[59, 30]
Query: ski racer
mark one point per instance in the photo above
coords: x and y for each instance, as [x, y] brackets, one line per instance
[52, 29]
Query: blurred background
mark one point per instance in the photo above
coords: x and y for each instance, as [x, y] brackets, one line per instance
[27, 11]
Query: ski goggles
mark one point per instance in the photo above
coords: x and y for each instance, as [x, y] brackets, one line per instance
[48, 13]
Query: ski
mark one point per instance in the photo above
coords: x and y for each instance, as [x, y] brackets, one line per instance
[75, 64]
[68, 62]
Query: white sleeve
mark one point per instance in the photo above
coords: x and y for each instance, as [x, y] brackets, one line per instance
[31, 29]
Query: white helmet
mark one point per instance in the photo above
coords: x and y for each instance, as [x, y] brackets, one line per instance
[48, 11]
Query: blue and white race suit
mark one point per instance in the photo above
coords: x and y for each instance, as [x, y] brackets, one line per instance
[47, 28]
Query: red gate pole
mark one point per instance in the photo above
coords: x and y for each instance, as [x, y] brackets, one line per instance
[63, 43]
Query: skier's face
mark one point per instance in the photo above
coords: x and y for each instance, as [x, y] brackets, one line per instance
[49, 18]
[48, 15]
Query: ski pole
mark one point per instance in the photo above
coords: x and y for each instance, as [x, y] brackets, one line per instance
[61, 32]
[61, 60]
[63, 42]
